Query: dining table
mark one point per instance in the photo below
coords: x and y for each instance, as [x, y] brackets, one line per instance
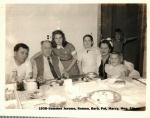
[133, 95]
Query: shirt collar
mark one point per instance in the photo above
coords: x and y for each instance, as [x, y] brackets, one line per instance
[58, 47]
[45, 58]
[88, 49]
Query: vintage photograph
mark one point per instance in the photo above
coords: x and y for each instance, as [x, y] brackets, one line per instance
[76, 57]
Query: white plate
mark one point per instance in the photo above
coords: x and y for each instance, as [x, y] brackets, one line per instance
[111, 98]
[91, 75]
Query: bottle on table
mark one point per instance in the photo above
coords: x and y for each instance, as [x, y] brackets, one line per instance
[20, 86]
[14, 76]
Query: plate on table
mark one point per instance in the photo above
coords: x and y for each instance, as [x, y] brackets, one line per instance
[56, 101]
[35, 95]
[104, 97]
[76, 95]
[117, 83]
[9, 94]
[55, 82]
[91, 75]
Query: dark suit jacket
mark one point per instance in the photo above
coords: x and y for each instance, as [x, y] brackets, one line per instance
[40, 65]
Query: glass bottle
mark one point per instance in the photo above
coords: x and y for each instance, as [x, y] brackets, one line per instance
[20, 86]
[14, 76]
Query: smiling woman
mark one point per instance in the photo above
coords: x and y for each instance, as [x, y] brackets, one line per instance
[105, 49]
[66, 52]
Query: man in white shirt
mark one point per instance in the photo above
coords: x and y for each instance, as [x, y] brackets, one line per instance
[18, 65]
[47, 65]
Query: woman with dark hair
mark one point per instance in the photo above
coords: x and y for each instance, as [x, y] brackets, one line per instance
[66, 52]
[105, 49]
[63, 43]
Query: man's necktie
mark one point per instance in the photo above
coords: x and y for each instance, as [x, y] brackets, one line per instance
[52, 69]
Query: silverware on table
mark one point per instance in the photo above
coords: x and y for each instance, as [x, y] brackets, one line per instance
[139, 81]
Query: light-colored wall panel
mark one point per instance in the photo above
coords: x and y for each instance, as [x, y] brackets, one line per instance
[31, 24]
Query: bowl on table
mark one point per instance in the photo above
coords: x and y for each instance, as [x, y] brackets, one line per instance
[35, 95]
[60, 82]
[91, 75]
[104, 97]
[85, 79]
[55, 82]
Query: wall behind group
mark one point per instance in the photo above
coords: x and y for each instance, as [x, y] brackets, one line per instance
[30, 24]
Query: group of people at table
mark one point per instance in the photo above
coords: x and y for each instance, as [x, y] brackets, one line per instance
[59, 58]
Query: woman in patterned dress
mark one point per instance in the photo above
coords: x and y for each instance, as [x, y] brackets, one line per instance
[66, 52]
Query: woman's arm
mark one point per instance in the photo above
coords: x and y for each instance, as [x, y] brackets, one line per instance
[124, 73]
[127, 72]
[74, 56]
[72, 63]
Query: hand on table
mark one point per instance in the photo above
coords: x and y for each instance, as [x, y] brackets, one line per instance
[41, 80]
[65, 73]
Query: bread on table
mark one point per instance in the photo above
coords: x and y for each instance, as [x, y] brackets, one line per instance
[120, 83]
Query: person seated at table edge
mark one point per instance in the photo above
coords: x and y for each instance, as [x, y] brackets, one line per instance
[47, 65]
[115, 68]
[18, 67]
[106, 47]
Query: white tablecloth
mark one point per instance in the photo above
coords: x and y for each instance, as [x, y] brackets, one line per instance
[133, 94]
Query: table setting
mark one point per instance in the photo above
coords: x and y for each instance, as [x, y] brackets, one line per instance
[86, 93]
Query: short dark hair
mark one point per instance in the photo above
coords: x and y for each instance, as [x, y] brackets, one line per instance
[64, 42]
[108, 43]
[90, 36]
[20, 45]
[119, 31]
[45, 41]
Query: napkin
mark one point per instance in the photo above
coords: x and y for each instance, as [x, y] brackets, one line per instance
[89, 86]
